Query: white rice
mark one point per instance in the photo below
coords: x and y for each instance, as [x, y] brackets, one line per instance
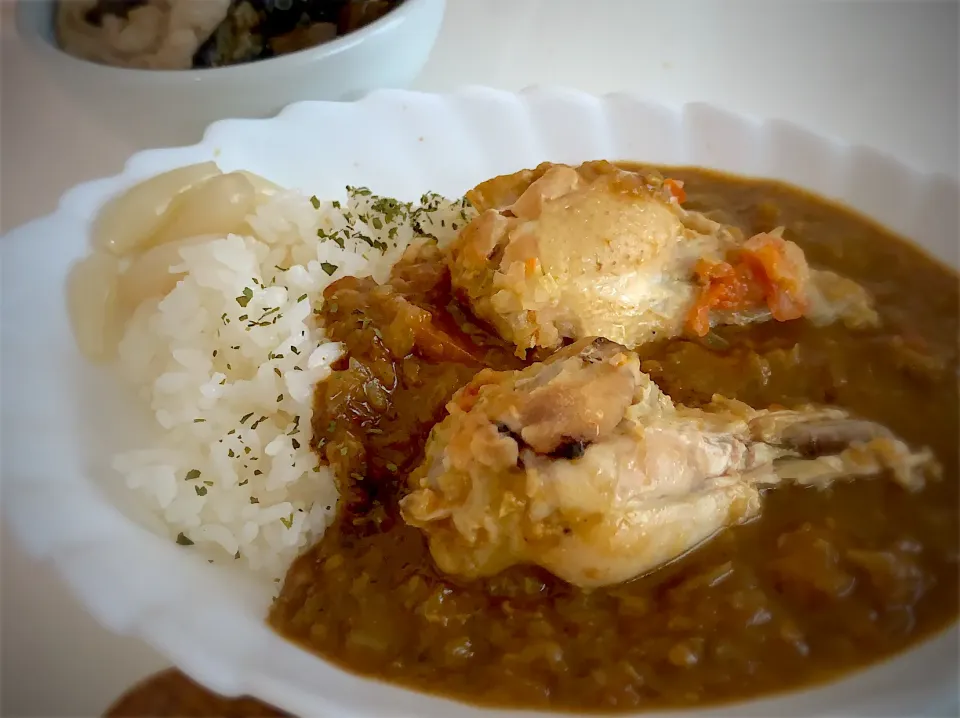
[228, 361]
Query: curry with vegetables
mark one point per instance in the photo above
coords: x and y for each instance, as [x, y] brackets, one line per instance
[816, 580]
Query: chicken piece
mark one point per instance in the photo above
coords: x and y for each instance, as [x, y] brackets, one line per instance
[583, 466]
[566, 252]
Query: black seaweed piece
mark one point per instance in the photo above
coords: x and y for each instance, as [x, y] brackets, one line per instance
[283, 16]
[521, 444]
[571, 449]
[237, 39]
[504, 429]
[119, 8]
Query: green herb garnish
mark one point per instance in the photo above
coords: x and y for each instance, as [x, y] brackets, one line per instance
[244, 299]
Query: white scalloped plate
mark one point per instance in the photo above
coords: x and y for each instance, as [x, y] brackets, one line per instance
[61, 417]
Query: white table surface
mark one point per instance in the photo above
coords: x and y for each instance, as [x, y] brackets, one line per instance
[883, 74]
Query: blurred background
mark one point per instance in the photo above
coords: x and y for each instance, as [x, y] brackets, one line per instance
[882, 74]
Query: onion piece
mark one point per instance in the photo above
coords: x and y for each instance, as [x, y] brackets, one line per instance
[149, 273]
[264, 187]
[91, 304]
[128, 221]
[218, 206]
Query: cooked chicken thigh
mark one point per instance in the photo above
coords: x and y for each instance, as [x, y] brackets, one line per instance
[583, 466]
[566, 252]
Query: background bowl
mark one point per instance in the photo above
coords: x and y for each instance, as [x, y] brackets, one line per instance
[60, 417]
[163, 107]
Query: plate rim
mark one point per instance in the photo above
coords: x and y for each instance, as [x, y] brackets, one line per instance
[132, 171]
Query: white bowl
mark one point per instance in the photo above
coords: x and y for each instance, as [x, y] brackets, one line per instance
[159, 108]
[61, 417]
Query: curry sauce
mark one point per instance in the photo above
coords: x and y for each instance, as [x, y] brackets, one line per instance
[825, 581]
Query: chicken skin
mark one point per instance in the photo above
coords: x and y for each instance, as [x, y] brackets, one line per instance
[583, 466]
[567, 252]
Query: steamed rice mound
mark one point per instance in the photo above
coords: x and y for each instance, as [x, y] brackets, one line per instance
[228, 361]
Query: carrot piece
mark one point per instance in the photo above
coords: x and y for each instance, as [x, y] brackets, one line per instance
[766, 270]
[467, 396]
[782, 269]
[722, 286]
[675, 188]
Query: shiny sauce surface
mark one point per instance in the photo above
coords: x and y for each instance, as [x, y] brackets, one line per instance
[823, 582]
